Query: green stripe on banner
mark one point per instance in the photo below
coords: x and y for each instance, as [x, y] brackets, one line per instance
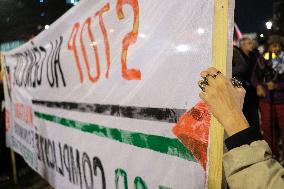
[169, 146]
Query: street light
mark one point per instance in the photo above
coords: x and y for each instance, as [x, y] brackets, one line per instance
[268, 25]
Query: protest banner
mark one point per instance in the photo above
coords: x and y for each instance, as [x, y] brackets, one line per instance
[107, 96]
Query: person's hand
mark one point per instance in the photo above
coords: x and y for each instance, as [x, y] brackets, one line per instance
[260, 91]
[271, 85]
[224, 101]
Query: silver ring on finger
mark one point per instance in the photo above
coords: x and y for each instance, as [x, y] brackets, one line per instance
[216, 74]
[236, 83]
[205, 78]
[203, 85]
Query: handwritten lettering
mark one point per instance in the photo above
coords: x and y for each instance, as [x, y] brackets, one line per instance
[128, 40]
[29, 68]
[24, 113]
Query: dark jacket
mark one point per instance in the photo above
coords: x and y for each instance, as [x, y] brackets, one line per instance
[242, 68]
[268, 70]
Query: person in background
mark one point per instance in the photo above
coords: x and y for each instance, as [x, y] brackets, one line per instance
[244, 60]
[255, 47]
[248, 164]
[268, 78]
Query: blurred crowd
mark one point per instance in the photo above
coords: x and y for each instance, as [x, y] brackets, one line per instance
[261, 70]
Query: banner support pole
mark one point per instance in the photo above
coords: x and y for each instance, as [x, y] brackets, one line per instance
[14, 167]
[220, 42]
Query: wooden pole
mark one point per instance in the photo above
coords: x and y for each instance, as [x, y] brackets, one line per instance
[13, 159]
[14, 167]
[220, 42]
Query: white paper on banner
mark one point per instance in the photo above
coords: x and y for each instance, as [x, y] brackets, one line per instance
[100, 99]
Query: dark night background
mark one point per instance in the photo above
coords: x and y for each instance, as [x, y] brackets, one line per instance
[23, 19]
[251, 15]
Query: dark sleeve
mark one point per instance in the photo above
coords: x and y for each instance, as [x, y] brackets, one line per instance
[258, 73]
[280, 82]
[246, 136]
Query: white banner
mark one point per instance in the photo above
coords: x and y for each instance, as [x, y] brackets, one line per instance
[99, 99]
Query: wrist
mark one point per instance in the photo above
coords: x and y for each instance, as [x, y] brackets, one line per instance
[235, 123]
